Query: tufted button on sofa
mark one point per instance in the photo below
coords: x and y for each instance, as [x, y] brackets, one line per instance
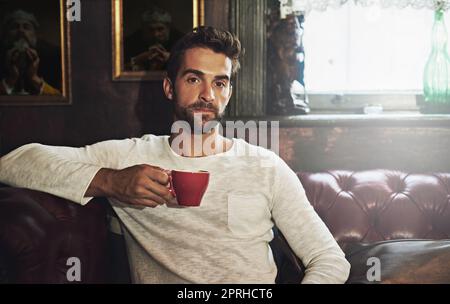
[402, 219]
[379, 205]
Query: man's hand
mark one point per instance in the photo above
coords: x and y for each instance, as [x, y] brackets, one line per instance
[142, 185]
[158, 52]
[155, 57]
[12, 67]
[32, 71]
[31, 74]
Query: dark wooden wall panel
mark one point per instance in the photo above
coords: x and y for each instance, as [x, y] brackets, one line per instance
[103, 109]
[216, 13]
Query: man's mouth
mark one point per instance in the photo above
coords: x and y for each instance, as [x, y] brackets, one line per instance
[202, 110]
[21, 37]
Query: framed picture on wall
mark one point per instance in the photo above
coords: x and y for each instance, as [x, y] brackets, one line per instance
[34, 53]
[144, 32]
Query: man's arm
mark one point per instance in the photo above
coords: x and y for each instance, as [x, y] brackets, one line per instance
[78, 174]
[305, 232]
[137, 185]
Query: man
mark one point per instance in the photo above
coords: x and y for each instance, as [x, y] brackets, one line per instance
[226, 239]
[28, 65]
[149, 47]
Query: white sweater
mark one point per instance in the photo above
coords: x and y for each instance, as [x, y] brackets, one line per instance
[225, 240]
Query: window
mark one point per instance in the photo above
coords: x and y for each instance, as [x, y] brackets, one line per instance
[366, 55]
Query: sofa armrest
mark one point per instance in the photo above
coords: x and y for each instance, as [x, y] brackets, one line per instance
[39, 232]
[404, 261]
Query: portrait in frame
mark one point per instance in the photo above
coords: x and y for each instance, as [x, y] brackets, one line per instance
[144, 32]
[34, 53]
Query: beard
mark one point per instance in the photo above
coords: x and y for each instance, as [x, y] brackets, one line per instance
[20, 39]
[188, 114]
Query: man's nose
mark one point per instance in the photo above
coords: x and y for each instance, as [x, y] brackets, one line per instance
[20, 31]
[21, 28]
[207, 93]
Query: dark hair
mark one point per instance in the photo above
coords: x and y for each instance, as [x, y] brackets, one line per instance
[217, 40]
[20, 14]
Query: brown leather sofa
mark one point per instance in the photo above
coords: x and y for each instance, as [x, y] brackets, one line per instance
[401, 219]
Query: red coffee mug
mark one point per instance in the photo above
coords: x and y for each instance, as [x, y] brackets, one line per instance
[188, 186]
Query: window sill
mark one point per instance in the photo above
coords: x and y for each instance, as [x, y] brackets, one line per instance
[387, 119]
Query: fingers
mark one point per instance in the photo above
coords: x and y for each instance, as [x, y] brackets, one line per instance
[144, 202]
[149, 195]
[152, 56]
[175, 205]
[160, 51]
[143, 198]
[155, 182]
[160, 184]
[32, 54]
[156, 174]
[151, 200]
[157, 53]
[161, 191]
[158, 48]
[143, 185]
[153, 204]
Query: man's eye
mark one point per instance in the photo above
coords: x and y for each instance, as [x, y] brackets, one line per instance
[193, 80]
[221, 84]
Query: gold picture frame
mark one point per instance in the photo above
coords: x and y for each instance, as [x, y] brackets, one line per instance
[120, 65]
[57, 92]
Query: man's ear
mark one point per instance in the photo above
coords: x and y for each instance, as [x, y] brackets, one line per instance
[168, 88]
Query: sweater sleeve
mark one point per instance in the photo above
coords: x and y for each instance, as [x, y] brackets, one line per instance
[305, 232]
[62, 171]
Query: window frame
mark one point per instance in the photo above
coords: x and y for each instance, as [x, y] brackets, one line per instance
[249, 97]
[355, 102]
[390, 100]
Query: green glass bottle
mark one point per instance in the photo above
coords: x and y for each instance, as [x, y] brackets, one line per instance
[436, 80]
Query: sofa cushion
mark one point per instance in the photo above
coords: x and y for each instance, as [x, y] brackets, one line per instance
[401, 261]
[379, 205]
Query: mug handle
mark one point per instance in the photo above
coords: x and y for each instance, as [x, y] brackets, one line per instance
[171, 189]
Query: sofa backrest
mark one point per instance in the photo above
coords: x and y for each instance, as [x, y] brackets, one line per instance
[377, 205]
[40, 232]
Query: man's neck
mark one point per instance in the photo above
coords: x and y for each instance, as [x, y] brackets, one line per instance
[199, 145]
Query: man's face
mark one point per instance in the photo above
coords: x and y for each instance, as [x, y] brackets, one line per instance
[202, 86]
[156, 32]
[21, 29]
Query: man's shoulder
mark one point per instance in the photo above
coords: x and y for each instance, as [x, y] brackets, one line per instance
[256, 155]
[147, 144]
[144, 140]
[255, 150]
[151, 138]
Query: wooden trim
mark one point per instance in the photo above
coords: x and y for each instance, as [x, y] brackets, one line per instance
[410, 119]
[248, 21]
